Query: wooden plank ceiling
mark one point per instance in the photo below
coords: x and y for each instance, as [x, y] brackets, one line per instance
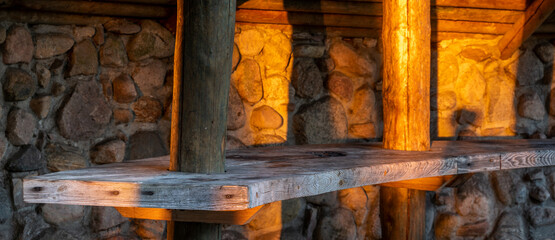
[354, 18]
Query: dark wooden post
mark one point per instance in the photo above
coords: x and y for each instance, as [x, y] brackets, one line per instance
[406, 98]
[202, 71]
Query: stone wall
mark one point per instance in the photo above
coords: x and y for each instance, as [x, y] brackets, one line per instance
[77, 96]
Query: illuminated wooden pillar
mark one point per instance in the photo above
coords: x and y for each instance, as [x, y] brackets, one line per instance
[202, 71]
[406, 99]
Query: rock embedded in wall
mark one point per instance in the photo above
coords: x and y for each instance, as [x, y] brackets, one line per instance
[43, 75]
[81, 33]
[236, 116]
[250, 42]
[122, 115]
[18, 85]
[152, 41]
[49, 45]
[85, 114]
[103, 218]
[266, 117]
[340, 85]
[61, 215]
[509, 226]
[475, 53]
[84, 59]
[306, 78]
[268, 140]
[338, 224]
[309, 51]
[113, 53]
[124, 89]
[146, 145]
[150, 77]
[28, 158]
[531, 106]
[541, 216]
[122, 26]
[151, 229]
[248, 81]
[348, 61]
[471, 85]
[527, 69]
[545, 52]
[41, 106]
[323, 121]
[364, 130]
[63, 158]
[276, 54]
[108, 152]
[236, 57]
[363, 106]
[18, 46]
[20, 127]
[147, 109]
[445, 70]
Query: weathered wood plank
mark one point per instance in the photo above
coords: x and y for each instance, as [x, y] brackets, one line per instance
[50, 18]
[240, 217]
[424, 184]
[258, 176]
[357, 21]
[525, 26]
[96, 8]
[375, 9]
[496, 4]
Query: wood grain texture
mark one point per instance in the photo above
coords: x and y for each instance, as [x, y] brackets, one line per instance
[38, 17]
[199, 140]
[360, 21]
[406, 79]
[258, 176]
[424, 184]
[96, 8]
[375, 9]
[240, 217]
[523, 28]
[403, 213]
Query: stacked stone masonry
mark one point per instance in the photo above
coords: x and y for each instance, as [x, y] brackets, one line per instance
[77, 96]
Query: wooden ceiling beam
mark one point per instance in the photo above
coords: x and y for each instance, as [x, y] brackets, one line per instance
[530, 20]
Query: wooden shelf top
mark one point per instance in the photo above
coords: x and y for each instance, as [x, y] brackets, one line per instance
[258, 176]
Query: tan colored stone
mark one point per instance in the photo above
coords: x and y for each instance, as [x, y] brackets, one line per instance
[61, 159]
[276, 55]
[445, 70]
[248, 81]
[108, 152]
[122, 26]
[268, 140]
[62, 214]
[444, 100]
[152, 41]
[364, 130]
[147, 109]
[18, 46]
[471, 85]
[150, 77]
[266, 117]
[267, 216]
[277, 89]
[363, 106]
[122, 115]
[84, 59]
[475, 53]
[20, 127]
[49, 45]
[446, 127]
[250, 42]
[236, 57]
[348, 61]
[527, 69]
[113, 53]
[340, 85]
[41, 106]
[531, 106]
[124, 89]
[323, 121]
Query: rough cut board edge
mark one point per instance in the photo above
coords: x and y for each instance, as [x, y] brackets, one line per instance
[44, 189]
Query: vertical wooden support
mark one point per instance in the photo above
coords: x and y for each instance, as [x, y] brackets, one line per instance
[202, 71]
[406, 98]
[406, 76]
